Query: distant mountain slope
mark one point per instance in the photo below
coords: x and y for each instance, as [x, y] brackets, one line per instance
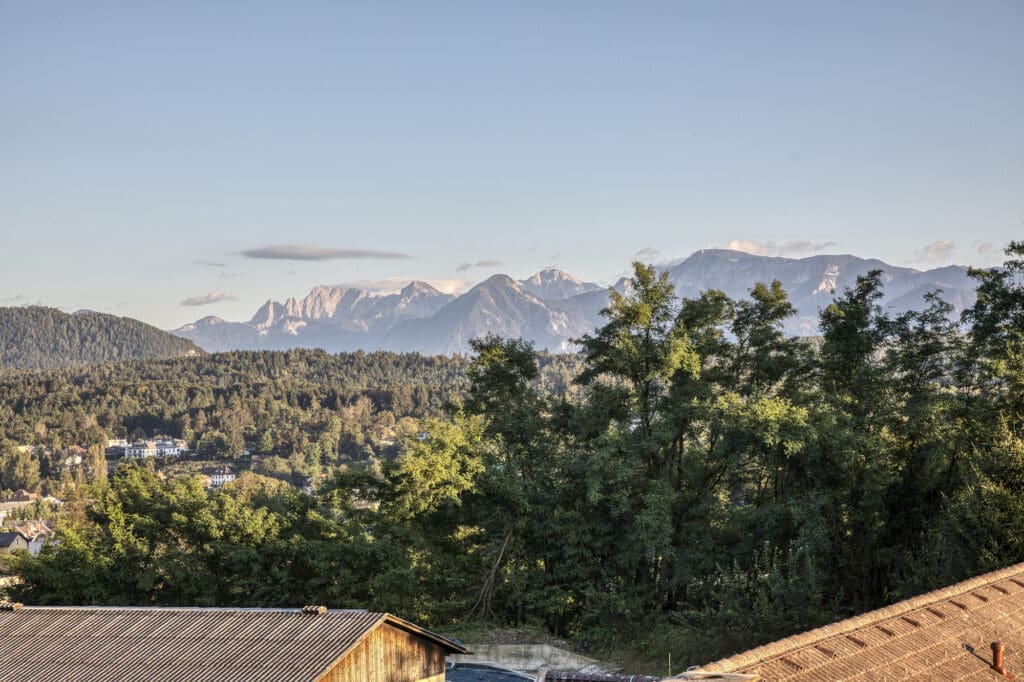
[552, 307]
[499, 305]
[45, 338]
[812, 283]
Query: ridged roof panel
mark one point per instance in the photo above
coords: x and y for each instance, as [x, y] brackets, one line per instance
[171, 644]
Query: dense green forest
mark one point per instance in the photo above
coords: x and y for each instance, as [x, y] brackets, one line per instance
[706, 484]
[306, 410]
[44, 338]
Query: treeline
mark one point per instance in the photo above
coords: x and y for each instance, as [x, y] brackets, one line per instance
[710, 485]
[45, 338]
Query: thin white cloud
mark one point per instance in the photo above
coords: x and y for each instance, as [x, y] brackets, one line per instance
[984, 248]
[772, 248]
[935, 252]
[213, 297]
[13, 299]
[646, 253]
[755, 248]
[390, 285]
[479, 264]
[210, 263]
[293, 252]
[798, 247]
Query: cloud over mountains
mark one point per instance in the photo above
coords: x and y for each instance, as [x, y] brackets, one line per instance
[213, 297]
[479, 264]
[935, 252]
[771, 248]
[312, 253]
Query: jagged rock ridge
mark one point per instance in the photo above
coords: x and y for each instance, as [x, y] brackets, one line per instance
[551, 308]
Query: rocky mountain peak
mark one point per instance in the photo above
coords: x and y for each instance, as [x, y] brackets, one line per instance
[550, 275]
[553, 284]
[419, 288]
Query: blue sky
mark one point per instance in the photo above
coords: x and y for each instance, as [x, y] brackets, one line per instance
[148, 151]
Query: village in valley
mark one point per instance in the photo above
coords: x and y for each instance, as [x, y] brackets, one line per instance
[28, 517]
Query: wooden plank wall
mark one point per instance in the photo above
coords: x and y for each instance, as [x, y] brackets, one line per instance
[390, 655]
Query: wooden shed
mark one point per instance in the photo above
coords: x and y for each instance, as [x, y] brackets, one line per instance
[154, 644]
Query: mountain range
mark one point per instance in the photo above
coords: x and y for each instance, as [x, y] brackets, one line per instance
[552, 307]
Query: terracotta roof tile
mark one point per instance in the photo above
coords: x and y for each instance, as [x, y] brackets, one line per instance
[942, 635]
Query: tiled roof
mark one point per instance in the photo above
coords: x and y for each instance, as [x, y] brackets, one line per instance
[103, 644]
[942, 635]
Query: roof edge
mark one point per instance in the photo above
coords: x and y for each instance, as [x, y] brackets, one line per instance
[402, 624]
[322, 675]
[781, 646]
[450, 646]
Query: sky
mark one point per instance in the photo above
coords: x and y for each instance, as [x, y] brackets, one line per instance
[171, 160]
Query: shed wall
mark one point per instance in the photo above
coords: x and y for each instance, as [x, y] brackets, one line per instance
[389, 654]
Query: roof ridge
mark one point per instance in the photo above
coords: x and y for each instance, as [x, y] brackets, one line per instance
[211, 609]
[793, 642]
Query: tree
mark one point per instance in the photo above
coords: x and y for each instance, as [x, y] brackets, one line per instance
[763, 358]
[641, 463]
[18, 468]
[523, 547]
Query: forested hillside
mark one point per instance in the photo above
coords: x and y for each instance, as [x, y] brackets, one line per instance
[309, 409]
[45, 338]
[706, 485]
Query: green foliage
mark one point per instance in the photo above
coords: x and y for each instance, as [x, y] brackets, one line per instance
[46, 338]
[18, 468]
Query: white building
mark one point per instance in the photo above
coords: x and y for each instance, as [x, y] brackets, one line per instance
[141, 449]
[173, 447]
[156, 448]
[221, 476]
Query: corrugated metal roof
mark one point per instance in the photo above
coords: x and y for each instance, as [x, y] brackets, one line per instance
[942, 635]
[107, 644]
